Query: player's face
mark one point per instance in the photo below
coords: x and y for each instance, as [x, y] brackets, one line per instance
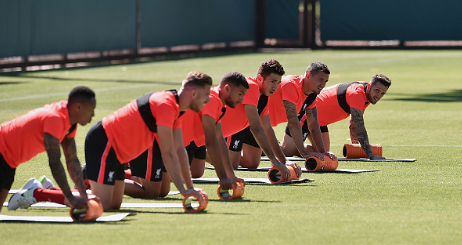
[236, 96]
[86, 111]
[376, 92]
[318, 81]
[200, 98]
[270, 84]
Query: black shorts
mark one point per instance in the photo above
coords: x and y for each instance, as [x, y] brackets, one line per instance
[6, 174]
[306, 131]
[196, 152]
[238, 139]
[101, 161]
[149, 164]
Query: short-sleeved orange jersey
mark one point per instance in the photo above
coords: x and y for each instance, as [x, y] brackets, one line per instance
[329, 110]
[192, 121]
[22, 138]
[235, 119]
[290, 89]
[128, 133]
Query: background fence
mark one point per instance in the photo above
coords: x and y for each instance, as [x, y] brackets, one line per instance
[38, 32]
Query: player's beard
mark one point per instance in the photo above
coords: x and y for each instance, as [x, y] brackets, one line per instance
[230, 103]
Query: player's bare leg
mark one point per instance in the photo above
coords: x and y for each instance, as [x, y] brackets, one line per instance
[109, 195]
[235, 158]
[3, 195]
[142, 188]
[251, 156]
[197, 167]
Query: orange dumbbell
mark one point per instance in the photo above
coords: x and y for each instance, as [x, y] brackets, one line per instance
[94, 211]
[275, 176]
[313, 163]
[238, 191]
[188, 202]
[355, 150]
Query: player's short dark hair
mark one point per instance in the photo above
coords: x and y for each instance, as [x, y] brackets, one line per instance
[236, 79]
[80, 94]
[197, 79]
[270, 66]
[316, 67]
[381, 79]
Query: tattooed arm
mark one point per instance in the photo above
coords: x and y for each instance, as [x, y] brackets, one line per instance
[51, 144]
[315, 131]
[295, 128]
[359, 133]
[73, 165]
[353, 137]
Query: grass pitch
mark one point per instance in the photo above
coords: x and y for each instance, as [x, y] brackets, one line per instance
[403, 203]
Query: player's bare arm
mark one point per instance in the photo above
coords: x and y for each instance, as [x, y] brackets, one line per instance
[228, 166]
[315, 131]
[273, 141]
[213, 149]
[182, 158]
[274, 144]
[353, 137]
[169, 156]
[52, 146]
[295, 128]
[360, 131]
[73, 165]
[257, 130]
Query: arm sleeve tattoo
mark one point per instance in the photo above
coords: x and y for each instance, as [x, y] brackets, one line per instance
[360, 130]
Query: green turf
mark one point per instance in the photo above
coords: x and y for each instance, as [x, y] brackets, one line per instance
[403, 203]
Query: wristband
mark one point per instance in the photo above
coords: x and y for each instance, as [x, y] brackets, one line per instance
[187, 202]
[238, 191]
[94, 211]
[356, 151]
[313, 163]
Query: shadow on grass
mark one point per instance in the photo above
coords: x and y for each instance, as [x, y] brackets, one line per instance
[243, 200]
[8, 83]
[161, 58]
[131, 211]
[85, 79]
[451, 96]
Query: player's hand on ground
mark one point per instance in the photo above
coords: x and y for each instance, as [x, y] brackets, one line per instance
[377, 158]
[297, 168]
[193, 192]
[227, 183]
[78, 202]
[332, 155]
[316, 154]
[238, 179]
[285, 173]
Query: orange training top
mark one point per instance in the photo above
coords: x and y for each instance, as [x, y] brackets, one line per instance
[290, 89]
[192, 121]
[22, 138]
[329, 111]
[235, 119]
[129, 135]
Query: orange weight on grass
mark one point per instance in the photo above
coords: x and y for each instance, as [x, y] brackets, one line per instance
[238, 191]
[313, 163]
[94, 211]
[275, 175]
[355, 150]
[187, 202]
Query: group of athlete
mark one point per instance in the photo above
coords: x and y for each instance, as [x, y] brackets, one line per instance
[167, 136]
